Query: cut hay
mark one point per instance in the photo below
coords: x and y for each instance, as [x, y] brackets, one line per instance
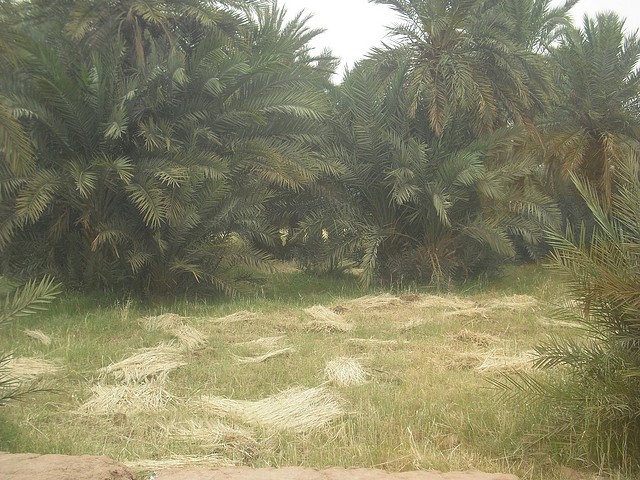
[189, 337]
[413, 323]
[479, 339]
[38, 336]
[445, 301]
[216, 435]
[330, 326]
[154, 362]
[297, 409]
[346, 371]
[211, 461]
[264, 342]
[109, 399]
[264, 357]
[514, 302]
[374, 342]
[374, 301]
[241, 316]
[323, 314]
[26, 369]
[493, 362]
[163, 322]
[474, 312]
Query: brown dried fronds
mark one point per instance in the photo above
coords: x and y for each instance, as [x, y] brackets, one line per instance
[25, 369]
[346, 371]
[297, 409]
[264, 357]
[147, 396]
[241, 316]
[38, 336]
[154, 362]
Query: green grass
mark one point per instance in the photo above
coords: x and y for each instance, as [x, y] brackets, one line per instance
[427, 405]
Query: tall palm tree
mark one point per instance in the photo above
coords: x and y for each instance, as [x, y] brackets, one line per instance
[598, 122]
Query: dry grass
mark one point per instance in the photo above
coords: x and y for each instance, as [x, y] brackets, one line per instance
[144, 397]
[149, 363]
[499, 362]
[237, 317]
[473, 312]
[375, 342]
[346, 371]
[297, 409]
[413, 323]
[263, 342]
[264, 357]
[514, 302]
[444, 301]
[26, 369]
[163, 322]
[189, 338]
[369, 302]
[479, 339]
[217, 436]
[210, 461]
[322, 314]
[38, 336]
[329, 326]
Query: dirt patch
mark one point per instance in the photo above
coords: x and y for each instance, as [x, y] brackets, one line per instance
[299, 473]
[30, 466]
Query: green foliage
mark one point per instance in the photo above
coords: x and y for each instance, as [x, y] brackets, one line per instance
[596, 389]
[154, 170]
[416, 206]
[26, 300]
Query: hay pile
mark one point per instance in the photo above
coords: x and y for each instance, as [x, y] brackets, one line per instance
[38, 336]
[263, 342]
[217, 436]
[210, 461]
[297, 409]
[473, 312]
[149, 363]
[265, 356]
[162, 322]
[147, 396]
[188, 337]
[413, 323]
[445, 301]
[499, 362]
[479, 339]
[514, 302]
[369, 302]
[346, 371]
[241, 316]
[326, 320]
[25, 369]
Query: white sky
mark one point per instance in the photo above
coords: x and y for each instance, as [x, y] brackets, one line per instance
[354, 26]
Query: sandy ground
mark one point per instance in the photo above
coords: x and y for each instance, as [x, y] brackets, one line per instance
[28, 466]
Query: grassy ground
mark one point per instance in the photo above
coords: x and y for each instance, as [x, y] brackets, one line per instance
[426, 401]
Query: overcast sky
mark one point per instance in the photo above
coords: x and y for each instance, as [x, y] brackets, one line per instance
[354, 26]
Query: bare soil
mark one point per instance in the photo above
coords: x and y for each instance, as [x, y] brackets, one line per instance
[29, 466]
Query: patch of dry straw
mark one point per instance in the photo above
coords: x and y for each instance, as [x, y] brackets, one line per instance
[211, 461]
[346, 371]
[162, 322]
[326, 320]
[374, 342]
[498, 362]
[154, 362]
[26, 369]
[264, 342]
[38, 336]
[297, 409]
[241, 316]
[264, 357]
[144, 397]
[473, 312]
[479, 339]
[413, 323]
[374, 301]
[514, 302]
[189, 337]
[445, 301]
[217, 436]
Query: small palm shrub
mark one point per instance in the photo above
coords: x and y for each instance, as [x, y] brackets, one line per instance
[593, 388]
[28, 299]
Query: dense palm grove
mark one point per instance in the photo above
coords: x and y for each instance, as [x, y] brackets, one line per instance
[152, 147]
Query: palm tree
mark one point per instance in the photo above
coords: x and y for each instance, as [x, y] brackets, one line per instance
[598, 122]
[465, 67]
[158, 177]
